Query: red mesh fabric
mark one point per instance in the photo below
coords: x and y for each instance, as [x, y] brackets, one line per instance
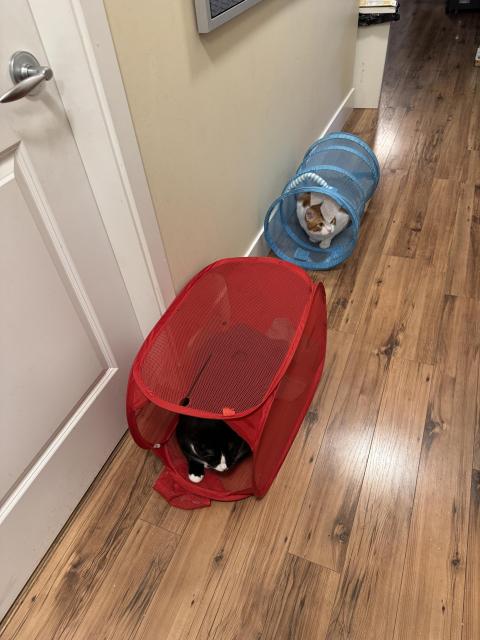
[175, 493]
[293, 398]
[225, 339]
[244, 342]
[238, 482]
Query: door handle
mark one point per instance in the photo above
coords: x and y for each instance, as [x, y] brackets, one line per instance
[27, 73]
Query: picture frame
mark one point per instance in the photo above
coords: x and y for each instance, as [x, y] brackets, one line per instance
[213, 13]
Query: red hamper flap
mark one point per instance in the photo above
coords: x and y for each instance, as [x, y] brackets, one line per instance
[176, 495]
[223, 345]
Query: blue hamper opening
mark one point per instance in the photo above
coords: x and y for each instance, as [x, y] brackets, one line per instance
[340, 166]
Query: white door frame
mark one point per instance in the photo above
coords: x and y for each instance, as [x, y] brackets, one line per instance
[78, 43]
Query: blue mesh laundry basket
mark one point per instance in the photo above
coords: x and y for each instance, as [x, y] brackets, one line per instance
[340, 166]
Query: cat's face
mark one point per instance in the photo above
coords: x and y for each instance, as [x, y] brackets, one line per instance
[313, 215]
[316, 223]
[209, 454]
[216, 456]
[212, 443]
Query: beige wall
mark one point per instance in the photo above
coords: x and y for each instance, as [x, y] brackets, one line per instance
[223, 119]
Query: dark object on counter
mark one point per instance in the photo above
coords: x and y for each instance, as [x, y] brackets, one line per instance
[367, 19]
[454, 6]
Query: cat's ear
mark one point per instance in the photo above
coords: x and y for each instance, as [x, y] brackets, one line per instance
[317, 208]
[303, 198]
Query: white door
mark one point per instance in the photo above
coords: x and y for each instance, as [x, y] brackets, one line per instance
[67, 328]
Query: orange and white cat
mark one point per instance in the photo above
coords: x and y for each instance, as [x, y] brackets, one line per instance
[320, 217]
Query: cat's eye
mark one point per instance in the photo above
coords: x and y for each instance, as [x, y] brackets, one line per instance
[206, 453]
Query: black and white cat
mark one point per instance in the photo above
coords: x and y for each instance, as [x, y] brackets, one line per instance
[209, 444]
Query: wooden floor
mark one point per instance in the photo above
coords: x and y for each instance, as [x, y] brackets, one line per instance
[372, 528]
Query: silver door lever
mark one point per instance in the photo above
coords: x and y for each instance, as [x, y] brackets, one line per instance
[27, 73]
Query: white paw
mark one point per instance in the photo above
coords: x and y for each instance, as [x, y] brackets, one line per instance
[193, 478]
[223, 464]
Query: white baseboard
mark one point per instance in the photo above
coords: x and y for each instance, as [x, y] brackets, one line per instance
[341, 115]
[259, 247]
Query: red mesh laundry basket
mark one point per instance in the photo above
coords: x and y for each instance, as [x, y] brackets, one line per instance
[244, 342]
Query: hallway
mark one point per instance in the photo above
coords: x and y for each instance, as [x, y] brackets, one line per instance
[371, 531]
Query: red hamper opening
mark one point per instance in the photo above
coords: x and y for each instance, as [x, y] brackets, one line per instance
[243, 342]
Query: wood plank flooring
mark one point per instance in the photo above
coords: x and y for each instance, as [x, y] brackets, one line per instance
[372, 529]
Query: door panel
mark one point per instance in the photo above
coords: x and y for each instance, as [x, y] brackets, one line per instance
[68, 332]
[43, 334]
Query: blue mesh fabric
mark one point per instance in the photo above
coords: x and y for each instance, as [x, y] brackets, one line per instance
[351, 170]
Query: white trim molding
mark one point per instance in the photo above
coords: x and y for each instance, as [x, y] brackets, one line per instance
[259, 246]
[341, 115]
[79, 48]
